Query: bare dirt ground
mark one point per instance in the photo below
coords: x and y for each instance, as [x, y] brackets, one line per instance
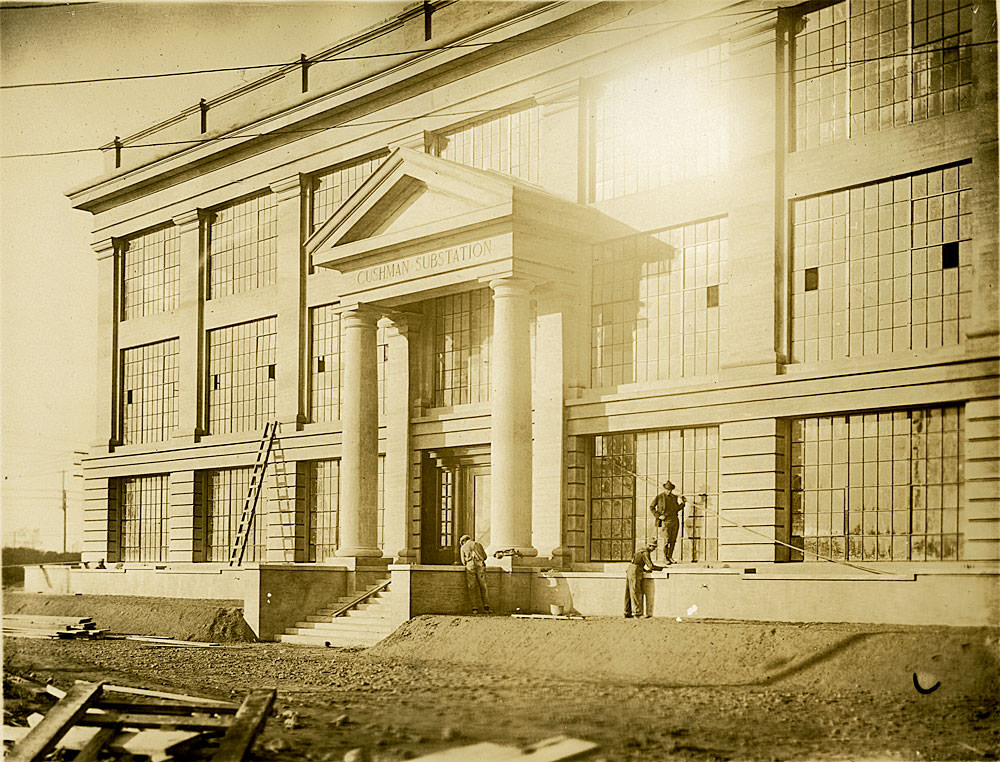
[643, 690]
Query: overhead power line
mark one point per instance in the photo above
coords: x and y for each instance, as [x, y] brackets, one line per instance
[367, 56]
[408, 118]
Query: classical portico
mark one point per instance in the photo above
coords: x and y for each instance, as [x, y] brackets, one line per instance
[418, 229]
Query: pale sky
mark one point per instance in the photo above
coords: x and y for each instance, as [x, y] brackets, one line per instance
[48, 308]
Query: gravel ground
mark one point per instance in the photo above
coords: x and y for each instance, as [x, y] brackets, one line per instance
[400, 708]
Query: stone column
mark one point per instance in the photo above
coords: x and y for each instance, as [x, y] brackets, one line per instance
[981, 530]
[290, 322]
[510, 379]
[100, 519]
[395, 538]
[190, 328]
[560, 129]
[108, 315]
[359, 451]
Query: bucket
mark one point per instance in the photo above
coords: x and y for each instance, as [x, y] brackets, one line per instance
[555, 609]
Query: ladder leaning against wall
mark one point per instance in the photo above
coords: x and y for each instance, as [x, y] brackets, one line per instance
[269, 445]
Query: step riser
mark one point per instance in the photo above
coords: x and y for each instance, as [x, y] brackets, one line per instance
[364, 625]
[385, 629]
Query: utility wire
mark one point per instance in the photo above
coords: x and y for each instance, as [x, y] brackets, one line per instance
[366, 56]
[402, 119]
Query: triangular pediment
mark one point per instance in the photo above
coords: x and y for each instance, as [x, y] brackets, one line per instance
[411, 195]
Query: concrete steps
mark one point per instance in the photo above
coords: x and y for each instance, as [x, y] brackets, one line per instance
[364, 625]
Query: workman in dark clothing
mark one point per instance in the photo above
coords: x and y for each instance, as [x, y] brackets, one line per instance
[473, 558]
[641, 563]
[666, 507]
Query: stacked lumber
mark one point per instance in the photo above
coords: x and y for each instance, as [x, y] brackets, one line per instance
[86, 722]
[49, 627]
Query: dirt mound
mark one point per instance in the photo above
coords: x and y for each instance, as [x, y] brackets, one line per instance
[183, 618]
[821, 657]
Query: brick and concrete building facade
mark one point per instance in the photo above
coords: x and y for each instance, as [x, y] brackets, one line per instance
[511, 279]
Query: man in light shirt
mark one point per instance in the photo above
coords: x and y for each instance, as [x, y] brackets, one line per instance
[473, 558]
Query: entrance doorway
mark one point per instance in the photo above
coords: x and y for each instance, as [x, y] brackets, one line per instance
[455, 500]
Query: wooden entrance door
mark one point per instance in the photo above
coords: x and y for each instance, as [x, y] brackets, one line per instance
[455, 500]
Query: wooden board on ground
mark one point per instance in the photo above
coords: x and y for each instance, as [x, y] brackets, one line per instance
[249, 719]
[60, 718]
[152, 742]
[44, 619]
[546, 616]
[158, 641]
[164, 695]
[553, 749]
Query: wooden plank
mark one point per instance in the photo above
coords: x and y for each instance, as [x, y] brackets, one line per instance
[97, 742]
[132, 707]
[45, 619]
[60, 718]
[559, 748]
[109, 719]
[480, 752]
[172, 642]
[250, 718]
[164, 695]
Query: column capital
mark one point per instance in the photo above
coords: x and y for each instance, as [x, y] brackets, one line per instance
[511, 286]
[187, 221]
[360, 315]
[287, 188]
[103, 248]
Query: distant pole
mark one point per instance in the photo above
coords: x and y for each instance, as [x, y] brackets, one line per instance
[64, 508]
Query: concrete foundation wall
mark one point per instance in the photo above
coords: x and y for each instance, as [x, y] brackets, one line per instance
[959, 598]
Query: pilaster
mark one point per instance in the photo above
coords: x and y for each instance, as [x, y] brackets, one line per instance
[100, 520]
[548, 421]
[185, 531]
[756, 217]
[359, 419]
[561, 146]
[292, 353]
[190, 327]
[981, 525]
[395, 538]
[108, 364]
[511, 447]
[753, 490]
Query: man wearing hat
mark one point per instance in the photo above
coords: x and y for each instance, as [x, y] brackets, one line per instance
[641, 563]
[666, 507]
[473, 558]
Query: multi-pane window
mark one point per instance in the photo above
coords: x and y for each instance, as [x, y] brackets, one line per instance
[505, 143]
[242, 246]
[150, 272]
[323, 507]
[149, 392]
[882, 267]
[225, 493]
[143, 529]
[865, 65]
[626, 473]
[663, 123]
[879, 486]
[326, 373]
[323, 490]
[656, 304]
[332, 187]
[463, 330]
[241, 376]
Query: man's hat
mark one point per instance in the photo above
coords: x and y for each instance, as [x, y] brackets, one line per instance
[463, 538]
[651, 541]
[669, 484]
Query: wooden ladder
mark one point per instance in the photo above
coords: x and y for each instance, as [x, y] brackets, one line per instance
[253, 493]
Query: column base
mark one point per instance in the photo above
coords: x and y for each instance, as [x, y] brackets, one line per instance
[526, 551]
[359, 552]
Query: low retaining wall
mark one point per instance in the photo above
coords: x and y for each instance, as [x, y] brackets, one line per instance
[273, 598]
